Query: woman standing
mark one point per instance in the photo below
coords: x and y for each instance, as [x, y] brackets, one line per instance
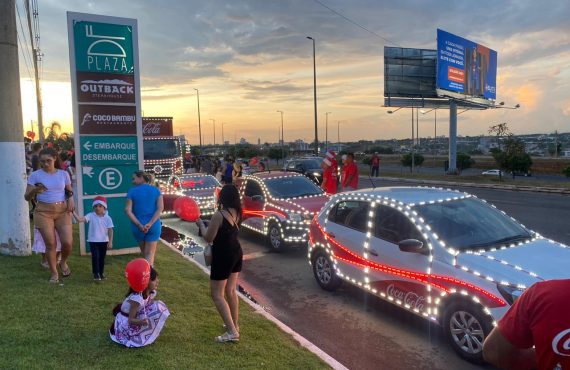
[227, 257]
[52, 187]
[144, 206]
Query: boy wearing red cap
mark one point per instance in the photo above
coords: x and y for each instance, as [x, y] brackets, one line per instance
[330, 173]
[99, 235]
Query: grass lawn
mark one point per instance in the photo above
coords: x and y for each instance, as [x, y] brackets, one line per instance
[65, 326]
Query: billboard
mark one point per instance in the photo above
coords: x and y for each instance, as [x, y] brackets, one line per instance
[409, 72]
[465, 67]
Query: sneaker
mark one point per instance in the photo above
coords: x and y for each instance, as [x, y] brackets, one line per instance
[227, 337]
[96, 277]
[103, 277]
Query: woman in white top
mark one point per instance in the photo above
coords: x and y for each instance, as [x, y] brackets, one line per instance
[52, 188]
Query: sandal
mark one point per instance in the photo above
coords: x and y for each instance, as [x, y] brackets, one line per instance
[54, 281]
[45, 264]
[226, 328]
[227, 337]
[64, 273]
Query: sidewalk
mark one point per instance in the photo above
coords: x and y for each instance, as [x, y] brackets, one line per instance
[541, 189]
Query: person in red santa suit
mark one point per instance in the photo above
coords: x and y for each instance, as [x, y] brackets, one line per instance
[330, 173]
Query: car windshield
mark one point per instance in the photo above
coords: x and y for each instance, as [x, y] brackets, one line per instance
[161, 149]
[471, 224]
[197, 182]
[312, 164]
[292, 186]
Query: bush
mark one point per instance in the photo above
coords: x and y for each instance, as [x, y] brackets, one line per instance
[464, 161]
[566, 171]
[407, 160]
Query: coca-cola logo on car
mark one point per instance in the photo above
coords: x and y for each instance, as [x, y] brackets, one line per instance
[414, 300]
[157, 126]
[561, 343]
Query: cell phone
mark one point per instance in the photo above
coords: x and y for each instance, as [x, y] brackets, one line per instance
[40, 185]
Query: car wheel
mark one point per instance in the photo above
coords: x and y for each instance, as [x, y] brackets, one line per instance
[466, 327]
[324, 272]
[274, 238]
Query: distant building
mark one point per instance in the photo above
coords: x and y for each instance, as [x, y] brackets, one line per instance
[243, 141]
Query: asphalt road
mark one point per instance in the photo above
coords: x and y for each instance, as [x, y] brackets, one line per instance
[357, 329]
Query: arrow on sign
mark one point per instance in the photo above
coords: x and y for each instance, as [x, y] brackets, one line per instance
[88, 171]
[87, 145]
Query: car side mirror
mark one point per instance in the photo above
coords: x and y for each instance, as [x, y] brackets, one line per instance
[411, 246]
[257, 198]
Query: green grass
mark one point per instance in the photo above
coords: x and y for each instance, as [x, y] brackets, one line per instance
[65, 326]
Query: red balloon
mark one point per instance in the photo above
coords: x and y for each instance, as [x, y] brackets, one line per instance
[31, 134]
[137, 273]
[187, 209]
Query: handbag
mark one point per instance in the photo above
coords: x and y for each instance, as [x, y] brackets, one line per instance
[208, 255]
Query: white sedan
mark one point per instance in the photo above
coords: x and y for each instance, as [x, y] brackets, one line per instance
[492, 173]
[441, 254]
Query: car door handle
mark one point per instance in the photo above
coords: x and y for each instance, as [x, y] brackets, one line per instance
[373, 252]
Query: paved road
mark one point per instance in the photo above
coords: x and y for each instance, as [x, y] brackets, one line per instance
[359, 330]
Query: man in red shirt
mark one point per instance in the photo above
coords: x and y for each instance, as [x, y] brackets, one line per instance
[374, 165]
[539, 318]
[349, 174]
[330, 174]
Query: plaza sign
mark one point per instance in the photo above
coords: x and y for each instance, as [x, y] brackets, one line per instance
[103, 53]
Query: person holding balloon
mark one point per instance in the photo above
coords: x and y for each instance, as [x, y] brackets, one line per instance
[143, 207]
[140, 318]
[227, 257]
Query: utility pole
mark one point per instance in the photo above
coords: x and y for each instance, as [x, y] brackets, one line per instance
[327, 132]
[15, 220]
[199, 123]
[35, 53]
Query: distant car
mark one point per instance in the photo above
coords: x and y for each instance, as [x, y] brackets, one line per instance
[492, 173]
[310, 167]
[443, 255]
[198, 186]
[522, 173]
[279, 205]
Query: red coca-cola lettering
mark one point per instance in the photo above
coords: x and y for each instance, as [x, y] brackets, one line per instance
[414, 300]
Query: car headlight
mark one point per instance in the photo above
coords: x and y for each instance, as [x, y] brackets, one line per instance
[297, 217]
[511, 294]
[316, 174]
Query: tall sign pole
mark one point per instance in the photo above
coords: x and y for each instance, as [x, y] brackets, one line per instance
[14, 218]
[105, 80]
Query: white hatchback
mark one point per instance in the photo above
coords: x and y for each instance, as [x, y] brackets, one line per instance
[441, 254]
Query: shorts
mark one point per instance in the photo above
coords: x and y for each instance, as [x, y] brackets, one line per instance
[225, 264]
[151, 236]
[51, 215]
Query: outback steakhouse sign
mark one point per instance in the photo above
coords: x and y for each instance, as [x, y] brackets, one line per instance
[157, 126]
[103, 87]
[99, 119]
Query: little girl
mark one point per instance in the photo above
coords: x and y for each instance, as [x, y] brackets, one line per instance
[99, 236]
[139, 319]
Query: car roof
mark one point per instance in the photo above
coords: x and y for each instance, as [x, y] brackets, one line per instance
[411, 195]
[272, 174]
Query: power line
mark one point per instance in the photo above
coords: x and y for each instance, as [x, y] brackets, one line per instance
[24, 56]
[23, 31]
[356, 23]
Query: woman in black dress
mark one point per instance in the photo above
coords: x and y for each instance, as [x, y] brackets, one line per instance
[222, 233]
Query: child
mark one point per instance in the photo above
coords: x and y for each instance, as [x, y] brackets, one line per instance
[99, 236]
[40, 247]
[139, 319]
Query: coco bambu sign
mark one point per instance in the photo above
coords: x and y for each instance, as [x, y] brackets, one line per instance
[103, 53]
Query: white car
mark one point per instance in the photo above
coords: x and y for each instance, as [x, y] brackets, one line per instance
[441, 254]
[492, 173]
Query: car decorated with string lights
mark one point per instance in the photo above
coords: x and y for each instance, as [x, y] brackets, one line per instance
[444, 255]
[198, 186]
[280, 205]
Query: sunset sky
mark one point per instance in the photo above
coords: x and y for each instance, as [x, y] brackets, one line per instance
[250, 58]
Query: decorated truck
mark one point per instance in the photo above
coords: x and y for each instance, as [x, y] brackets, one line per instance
[162, 150]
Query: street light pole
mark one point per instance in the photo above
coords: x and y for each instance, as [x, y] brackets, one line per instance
[214, 130]
[327, 132]
[282, 137]
[338, 135]
[199, 123]
[315, 95]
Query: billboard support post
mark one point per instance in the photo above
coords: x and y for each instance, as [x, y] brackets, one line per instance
[452, 138]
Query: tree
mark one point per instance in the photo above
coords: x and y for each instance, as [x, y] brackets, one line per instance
[499, 130]
[514, 158]
[275, 153]
[407, 160]
[59, 139]
[464, 161]
[566, 171]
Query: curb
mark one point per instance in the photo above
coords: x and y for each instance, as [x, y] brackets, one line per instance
[304, 342]
[476, 185]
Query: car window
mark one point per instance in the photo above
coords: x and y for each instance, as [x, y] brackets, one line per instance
[252, 188]
[351, 214]
[391, 225]
[291, 165]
